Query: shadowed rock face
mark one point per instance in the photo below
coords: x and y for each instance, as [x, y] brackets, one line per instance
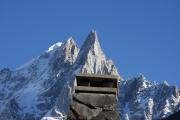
[175, 116]
[89, 106]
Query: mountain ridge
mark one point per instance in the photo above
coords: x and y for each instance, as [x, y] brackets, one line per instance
[41, 88]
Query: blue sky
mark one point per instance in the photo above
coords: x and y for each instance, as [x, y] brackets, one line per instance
[140, 36]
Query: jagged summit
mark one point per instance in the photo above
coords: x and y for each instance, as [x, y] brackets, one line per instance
[91, 41]
[57, 45]
[71, 40]
[144, 100]
[42, 88]
[70, 50]
[91, 44]
[93, 59]
[54, 46]
[166, 83]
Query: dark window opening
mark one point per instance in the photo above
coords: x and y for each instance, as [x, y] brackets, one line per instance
[83, 83]
[97, 83]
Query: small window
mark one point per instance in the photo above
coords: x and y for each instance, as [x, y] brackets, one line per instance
[96, 83]
[82, 83]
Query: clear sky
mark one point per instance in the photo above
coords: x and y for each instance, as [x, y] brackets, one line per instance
[140, 36]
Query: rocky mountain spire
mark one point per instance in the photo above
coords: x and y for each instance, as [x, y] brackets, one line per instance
[90, 46]
[92, 58]
[44, 85]
[70, 50]
[92, 43]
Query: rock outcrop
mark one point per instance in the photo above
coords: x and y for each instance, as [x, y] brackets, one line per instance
[89, 106]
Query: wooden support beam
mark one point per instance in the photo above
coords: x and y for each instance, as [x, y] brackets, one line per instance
[85, 89]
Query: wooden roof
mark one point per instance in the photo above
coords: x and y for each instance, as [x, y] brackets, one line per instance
[98, 76]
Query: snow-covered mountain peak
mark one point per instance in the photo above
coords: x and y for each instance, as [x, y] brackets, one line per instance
[70, 50]
[155, 100]
[54, 46]
[92, 58]
[166, 83]
[92, 43]
[44, 85]
[71, 40]
[141, 77]
[143, 82]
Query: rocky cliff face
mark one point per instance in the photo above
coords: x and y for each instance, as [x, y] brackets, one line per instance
[41, 88]
[144, 100]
